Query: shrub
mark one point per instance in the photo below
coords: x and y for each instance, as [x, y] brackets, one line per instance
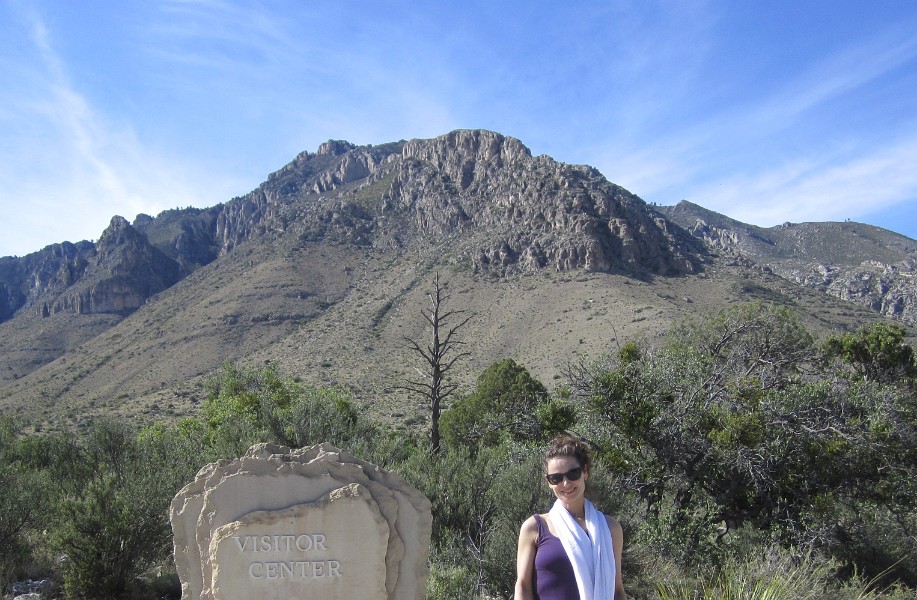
[508, 404]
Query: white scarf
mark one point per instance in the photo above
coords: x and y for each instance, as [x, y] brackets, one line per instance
[592, 555]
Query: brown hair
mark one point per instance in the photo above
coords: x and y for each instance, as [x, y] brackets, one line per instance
[566, 445]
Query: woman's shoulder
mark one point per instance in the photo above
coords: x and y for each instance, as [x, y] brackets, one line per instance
[530, 524]
[613, 524]
[534, 522]
[531, 529]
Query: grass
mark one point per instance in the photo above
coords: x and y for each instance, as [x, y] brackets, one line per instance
[778, 576]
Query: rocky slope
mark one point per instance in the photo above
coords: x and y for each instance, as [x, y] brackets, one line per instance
[502, 210]
[852, 261]
[324, 267]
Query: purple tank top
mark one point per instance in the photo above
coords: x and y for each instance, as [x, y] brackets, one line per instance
[554, 578]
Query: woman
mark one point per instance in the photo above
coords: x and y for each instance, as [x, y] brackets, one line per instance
[573, 552]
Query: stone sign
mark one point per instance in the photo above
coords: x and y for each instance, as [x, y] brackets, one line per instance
[309, 523]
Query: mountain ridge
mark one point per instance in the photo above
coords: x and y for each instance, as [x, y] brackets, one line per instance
[848, 260]
[323, 268]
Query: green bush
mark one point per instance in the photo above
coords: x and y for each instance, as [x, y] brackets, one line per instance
[508, 404]
[114, 525]
[732, 423]
[479, 500]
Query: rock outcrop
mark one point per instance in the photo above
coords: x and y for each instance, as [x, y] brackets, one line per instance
[500, 209]
[37, 277]
[852, 261]
[122, 273]
[534, 213]
[117, 274]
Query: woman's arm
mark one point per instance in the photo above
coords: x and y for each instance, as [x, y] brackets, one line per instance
[525, 560]
[617, 540]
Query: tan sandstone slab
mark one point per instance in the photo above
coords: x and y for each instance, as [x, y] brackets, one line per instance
[271, 479]
[277, 484]
[331, 549]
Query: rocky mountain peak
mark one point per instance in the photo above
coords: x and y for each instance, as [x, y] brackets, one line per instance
[459, 153]
[120, 235]
[531, 213]
[504, 210]
[335, 148]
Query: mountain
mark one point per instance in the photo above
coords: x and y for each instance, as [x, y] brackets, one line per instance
[324, 268]
[852, 261]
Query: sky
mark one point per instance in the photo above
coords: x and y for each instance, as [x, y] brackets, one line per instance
[767, 112]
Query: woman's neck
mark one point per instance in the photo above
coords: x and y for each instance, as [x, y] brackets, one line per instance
[577, 508]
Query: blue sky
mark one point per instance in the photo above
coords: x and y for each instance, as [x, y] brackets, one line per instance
[765, 111]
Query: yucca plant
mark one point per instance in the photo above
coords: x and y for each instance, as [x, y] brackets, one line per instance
[778, 576]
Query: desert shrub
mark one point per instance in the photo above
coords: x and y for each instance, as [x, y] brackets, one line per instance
[448, 581]
[24, 502]
[114, 525]
[775, 574]
[876, 353]
[508, 404]
[103, 534]
[327, 415]
[479, 500]
[247, 407]
[733, 423]
[240, 406]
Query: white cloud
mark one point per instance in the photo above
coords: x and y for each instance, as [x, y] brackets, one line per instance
[815, 191]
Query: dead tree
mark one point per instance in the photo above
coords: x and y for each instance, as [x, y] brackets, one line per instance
[438, 356]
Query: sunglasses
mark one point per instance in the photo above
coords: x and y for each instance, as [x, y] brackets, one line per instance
[571, 475]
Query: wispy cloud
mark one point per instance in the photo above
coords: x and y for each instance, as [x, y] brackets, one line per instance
[79, 167]
[834, 77]
[788, 155]
[220, 36]
[309, 72]
[813, 191]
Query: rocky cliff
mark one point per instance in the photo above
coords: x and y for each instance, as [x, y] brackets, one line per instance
[114, 275]
[533, 213]
[499, 209]
[125, 271]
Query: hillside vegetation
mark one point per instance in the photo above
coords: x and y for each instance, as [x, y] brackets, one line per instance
[745, 458]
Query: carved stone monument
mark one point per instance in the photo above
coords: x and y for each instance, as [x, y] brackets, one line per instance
[310, 523]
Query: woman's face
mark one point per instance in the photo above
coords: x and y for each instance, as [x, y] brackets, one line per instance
[567, 491]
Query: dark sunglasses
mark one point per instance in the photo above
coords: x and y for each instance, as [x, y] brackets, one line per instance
[571, 475]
